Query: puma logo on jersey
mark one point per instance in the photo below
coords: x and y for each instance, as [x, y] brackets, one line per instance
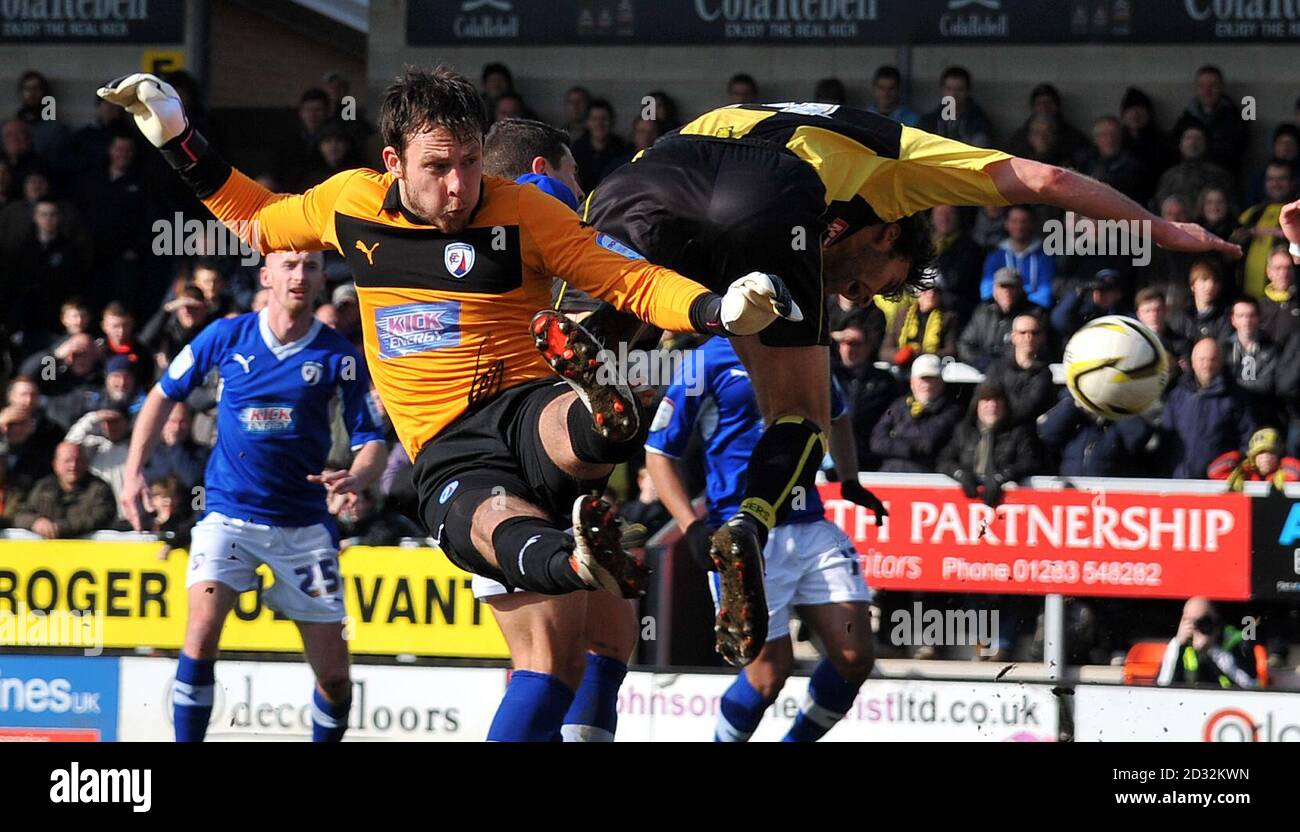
[368, 252]
[244, 361]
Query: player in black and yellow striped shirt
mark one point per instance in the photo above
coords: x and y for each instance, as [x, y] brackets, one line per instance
[825, 197]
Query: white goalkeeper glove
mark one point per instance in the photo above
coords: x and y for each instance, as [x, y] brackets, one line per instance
[153, 102]
[754, 301]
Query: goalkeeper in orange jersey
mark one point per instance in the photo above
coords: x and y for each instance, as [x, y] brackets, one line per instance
[450, 267]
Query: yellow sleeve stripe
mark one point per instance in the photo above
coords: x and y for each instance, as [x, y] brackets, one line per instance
[726, 123]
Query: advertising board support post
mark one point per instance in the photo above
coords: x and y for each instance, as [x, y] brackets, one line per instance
[1054, 635]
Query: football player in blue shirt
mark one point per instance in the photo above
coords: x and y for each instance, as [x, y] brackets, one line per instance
[533, 153]
[811, 566]
[264, 490]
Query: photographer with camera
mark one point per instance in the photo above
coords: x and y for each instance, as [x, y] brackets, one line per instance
[1207, 652]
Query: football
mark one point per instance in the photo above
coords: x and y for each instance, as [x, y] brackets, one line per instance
[1115, 367]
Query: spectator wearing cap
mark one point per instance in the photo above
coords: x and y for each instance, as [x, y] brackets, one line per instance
[1108, 161]
[120, 387]
[1253, 361]
[1263, 462]
[1194, 172]
[68, 503]
[1025, 375]
[105, 437]
[1227, 133]
[1286, 148]
[1089, 446]
[988, 335]
[1103, 295]
[1144, 139]
[988, 450]
[1205, 415]
[887, 96]
[958, 262]
[912, 430]
[1023, 252]
[176, 324]
[921, 326]
[1279, 311]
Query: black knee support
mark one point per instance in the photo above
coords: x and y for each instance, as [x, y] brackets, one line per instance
[783, 469]
[590, 446]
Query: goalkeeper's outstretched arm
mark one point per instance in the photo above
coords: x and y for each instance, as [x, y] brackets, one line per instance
[264, 220]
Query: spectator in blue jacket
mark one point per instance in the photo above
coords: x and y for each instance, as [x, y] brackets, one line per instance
[1090, 446]
[1205, 415]
[1022, 251]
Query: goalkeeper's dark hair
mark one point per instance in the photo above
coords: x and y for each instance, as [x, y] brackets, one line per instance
[915, 244]
[423, 99]
[512, 144]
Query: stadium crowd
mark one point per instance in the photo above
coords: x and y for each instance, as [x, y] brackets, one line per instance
[103, 285]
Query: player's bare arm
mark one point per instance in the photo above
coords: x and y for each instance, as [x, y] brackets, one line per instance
[366, 467]
[144, 437]
[1024, 180]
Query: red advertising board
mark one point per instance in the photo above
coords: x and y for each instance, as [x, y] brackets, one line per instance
[1107, 543]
